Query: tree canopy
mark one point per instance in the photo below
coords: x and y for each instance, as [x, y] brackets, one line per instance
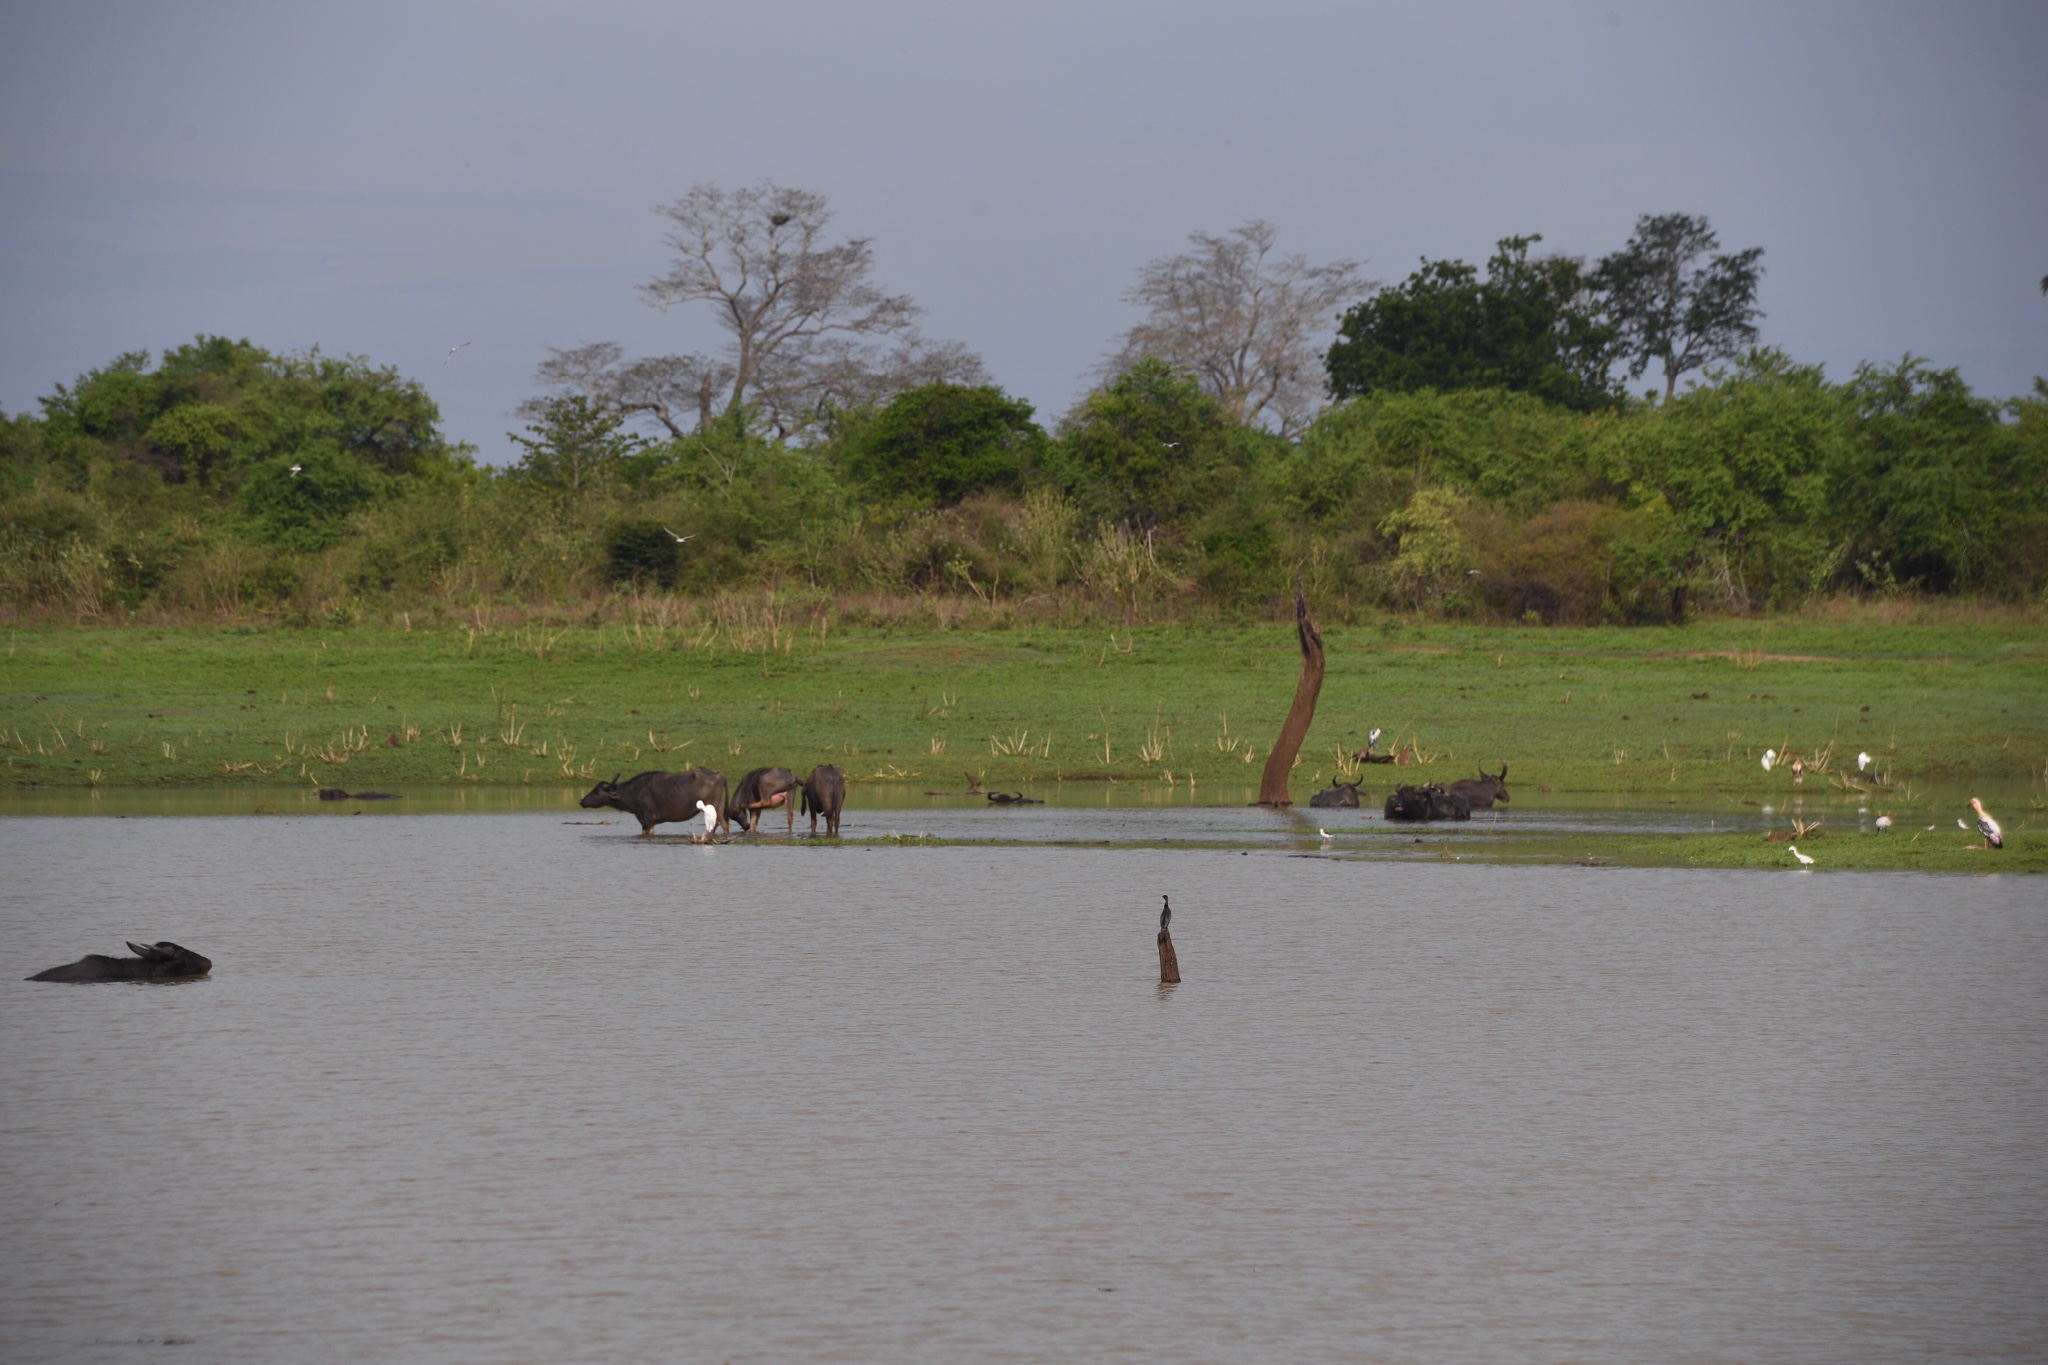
[1530, 326]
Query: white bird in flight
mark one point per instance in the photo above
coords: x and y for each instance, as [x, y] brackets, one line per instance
[680, 539]
[1804, 861]
[1770, 757]
[295, 470]
[451, 353]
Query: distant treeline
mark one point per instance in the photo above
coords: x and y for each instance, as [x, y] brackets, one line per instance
[225, 482]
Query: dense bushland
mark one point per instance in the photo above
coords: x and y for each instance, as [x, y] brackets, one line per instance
[227, 482]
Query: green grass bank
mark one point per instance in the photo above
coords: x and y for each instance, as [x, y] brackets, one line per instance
[1648, 711]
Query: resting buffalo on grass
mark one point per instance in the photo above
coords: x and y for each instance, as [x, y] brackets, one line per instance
[152, 962]
[763, 789]
[1340, 794]
[824, 794]
[1481, 792]
[1427, 803]
[660, 798]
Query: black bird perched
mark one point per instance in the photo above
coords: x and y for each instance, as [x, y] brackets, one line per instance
[1169, 965]
[777, 220]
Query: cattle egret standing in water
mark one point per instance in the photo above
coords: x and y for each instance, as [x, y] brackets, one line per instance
[1804, 861]
[1770, 757]
[1994, 837]
[710, 816]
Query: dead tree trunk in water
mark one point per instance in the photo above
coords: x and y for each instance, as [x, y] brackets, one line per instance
[1169, 962]
[1273, 785]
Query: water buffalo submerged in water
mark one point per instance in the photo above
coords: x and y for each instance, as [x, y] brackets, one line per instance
[1427, 803]
[660, 798]
[1481, 792]
[153, 962]
[1340, 794]
[824, 794]
[763, 789]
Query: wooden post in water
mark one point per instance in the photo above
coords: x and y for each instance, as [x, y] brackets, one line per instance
[1169, 965]
[1273, 784]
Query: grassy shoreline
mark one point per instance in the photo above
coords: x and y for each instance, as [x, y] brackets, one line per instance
[1645, 712]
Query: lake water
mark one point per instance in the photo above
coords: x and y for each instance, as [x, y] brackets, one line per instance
[501, 1087]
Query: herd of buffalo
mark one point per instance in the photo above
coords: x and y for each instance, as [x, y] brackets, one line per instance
[1435, 801]
[672, 798]
[656, 798]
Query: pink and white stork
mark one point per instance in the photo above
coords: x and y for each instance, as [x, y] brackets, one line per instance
[1994, 835]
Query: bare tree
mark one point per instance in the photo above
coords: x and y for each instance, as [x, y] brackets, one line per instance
[662, 386]
[759, 258]
[808, 329]
[1243, 321]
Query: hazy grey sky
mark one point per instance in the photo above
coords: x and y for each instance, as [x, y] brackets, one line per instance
[391, 179]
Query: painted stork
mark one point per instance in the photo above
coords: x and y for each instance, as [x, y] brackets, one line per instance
[1798, 771]
[1994, 835]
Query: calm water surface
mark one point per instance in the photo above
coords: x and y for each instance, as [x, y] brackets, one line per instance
[499, 1087]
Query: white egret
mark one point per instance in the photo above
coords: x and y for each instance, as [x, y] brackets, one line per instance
[680, 539]
[710, 816]
[295, 470]
[1862, 762]
[1994, 836]
[1770, 757]
[451, 353]
[1325, 833]
[1804, 861]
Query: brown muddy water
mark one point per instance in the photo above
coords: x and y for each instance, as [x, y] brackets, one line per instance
[498, 1087]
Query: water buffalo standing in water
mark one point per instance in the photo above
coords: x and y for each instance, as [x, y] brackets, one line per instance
[1427, 803]
[152, 962]
[763, 789]
[1340, 794]
[660, 798]
[1482, 791]
[824, 794]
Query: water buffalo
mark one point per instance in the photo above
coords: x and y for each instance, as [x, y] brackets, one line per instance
[152, 962]
[660, 798]
[824, 794]
[1427, 803]
[763, 789]
[1340, 794]
[1481, 792]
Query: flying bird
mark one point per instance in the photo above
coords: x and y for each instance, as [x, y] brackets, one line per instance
[1171, 445]
[1804, 861]
[451, 353]
[680, 539]
[295, 470]
[1994, 836]
[1770, 757]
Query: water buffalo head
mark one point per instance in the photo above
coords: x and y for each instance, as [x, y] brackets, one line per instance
[603, 794]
